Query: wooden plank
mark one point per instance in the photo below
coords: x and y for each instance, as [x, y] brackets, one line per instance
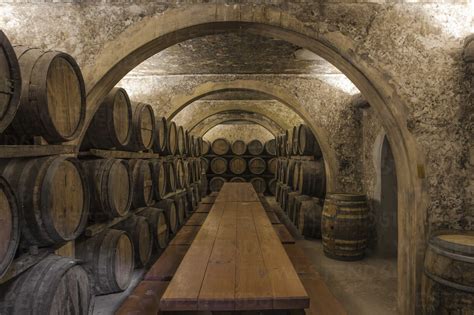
[204, 208]
[145, 299]
[197, 219]
[119, 154]
[208, 200]
[165, 267]
[323, 302]
[23, 263]
[273, 217]
[96, 228]
[283, 234]
[299, 260]
[185, 236]
[237, 192]
[14, 151]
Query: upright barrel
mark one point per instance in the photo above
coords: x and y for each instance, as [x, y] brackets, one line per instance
[159, 179]
[142, 183]
[259, 184]
[239, 147]
[159, 229]
[344, 226]
[255, 147]
[307, 143]
[216, 183]
[220, 146]
[171, 138]
[270, 147]
[10, 232]
[257, 165]
[139, 230]
[169, 208]
[237, 165]
[143, 127]
[161, 126]
[218, 165]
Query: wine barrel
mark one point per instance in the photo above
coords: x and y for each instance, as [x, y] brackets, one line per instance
[10, 232]
[170, 172]
[239, 147]
[161, 126]
[218, 165]
[237, 180]
[237, 165]
[448, 282]
[272, 186]
[200, 145]
[110, 182]
[186, 141]
[312, 179]
[283, 170]
[179, 167]
[308, 217]
[344, 226]
[270, 147]
[180, 209]
[142, 183]
[159, 229]
[277, 191]
[109, 259]
[289, 172]
[55, 285]
[288, 142]
[296, 208]
[169, 207]
[203, 186]
[206, 147]
[289, 205]
[294, 141]
[181, 141]
[53, 198]
[255, 147]
[216, 183]
[259, 184]
[307, 143]
[220, 146]
[257, 165]
[191, 198]
[296, 175]
[159, 179]
[197, 192]
[53, 96]
[205, 164]
[171, 139]
[197, 170]
[272, 165]
[139, 230]
[11, 76]
[143, 127]
[112, 123]
[192, 144]
[187, 172]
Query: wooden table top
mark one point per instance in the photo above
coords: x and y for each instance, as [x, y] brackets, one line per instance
[237, 192]
[236, 262]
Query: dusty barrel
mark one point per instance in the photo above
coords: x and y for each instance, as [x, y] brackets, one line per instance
[180, 209]
[53, 97]
[112, 123]
[55, 285]
[283, 170]
[259, 185]
[255, 147]
[171, 138]
[10, 232]
[220, 146]
[159, 179]
[277, 191]
[237, 165]
[171, 215]
[143, 127]
[181, 141]
[308, 217]
[187, 169]
[283, 140]
[272, 186]
[11, 89]
[170, 172]
[197, 170]
[109, 258]
[285, 190]
[110, 183]
[206, 147]
[344, 226]
[272, 166]
[159, 229]
[218, 165]
[307, 143]
[239, 147]
[53, 198]
[237, 180]
[448, 282]
[139, 231]
[216, 183]
[270, 147]
[257, 165]
[159, 144]
[311, 178]
[142, 183]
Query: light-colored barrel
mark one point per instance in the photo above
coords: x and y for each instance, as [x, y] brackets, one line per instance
[181, 141]
[220, 146]
[139, 230]
[161, 126]
[159, 229]
[169, 208]
[159, 179]
[237, 165]
[239, 147]
[143, 127]
[171, 138]
[255, 147]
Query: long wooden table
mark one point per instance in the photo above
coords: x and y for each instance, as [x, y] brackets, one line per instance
[236, 261]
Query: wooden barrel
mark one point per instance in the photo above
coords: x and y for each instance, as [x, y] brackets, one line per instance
[10, 232]
[109, 259]
[255, 147]
[312, 179]
[448, 282]
[294, 141]
[161, 126]
[197, 170]
[159, 179]
[55, 285]
[112, 123]
[307, 143]
[272, 186]
[139, 230]
[218, 165]
[200, 145]
[296, 208]
[143, 127]
[237, 180]
[285, 190]
[187, 169]
[170, 172]
[204, 164]
[169, 208]
[237, 165]
[277, 191]
[289, 172]
[270, 147]
[180, 176]
[257, 166]
[344, 226]
[142, 182]
[191, 198]
[206, 147]
[288, 142]
[110, 182]
[220, 146]
[181, 141]
[283, 170]
[296, 175]
[289, 205]
[216, 183]
[308, 217]
[159, 229]
[171, 139]
[259, 184]
[239, 147]
[11, 76]
[53, 198]
[197, 192]
[272, 165]
[53, 96]
[180, 209]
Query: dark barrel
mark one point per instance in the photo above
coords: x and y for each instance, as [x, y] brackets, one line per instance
[179, 168]
[259, 184]
[170, 172]
[216, 183]
[220, 146]
[180, 209]
[205, 164]
[161, 126]
[308, 217]
[142, 182]
[218, 165]
[255, 147]
[239, 147]
[10, 231]
[139, 230]
[272, 165]
[143, 127]
[289, 142]
[272, 186]
[311, 178]
[206, 147]
[296, 175]
[237, 165]
[270, 147]
[159, 229]
[257, 166]
[169, 208]
[159, 179]
[307, 143]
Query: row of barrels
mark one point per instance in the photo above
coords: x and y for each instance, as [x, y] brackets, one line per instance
[298, 141]
[223, 146]
[260, 184]
[307, 177]
[238, 165]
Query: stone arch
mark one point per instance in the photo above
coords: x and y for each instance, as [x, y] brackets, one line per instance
[150, 35]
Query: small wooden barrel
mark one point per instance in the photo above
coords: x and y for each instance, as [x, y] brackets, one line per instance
[237, 165]
[344, 226]
[257, 166]
[307, 143]
[142, 181]
[170, 172]
[255, 147]
[10, 231]
[109, 259]
[180, 209]
[239, 147]
[312, 179]
[272, 186]
[272, 166]
[161, 126]
[187, 169]
[283, 170]
[259, 184]
[270, 147]
[159, 179]
[216, 183]
[110, 182]
[139, 230]
[159, 229]
[53, 198]
[308, 217]
[53, 96]
[181, 141]
[206, 147]
[171, 139]
[448, 282]
[169, 208]
[237, 180]
[112, 123]
[143, 127]
[283, 141]
[220, 146]
[192, 144]
[11, 76]
[218, 165]
[198, 170]
[55, 285]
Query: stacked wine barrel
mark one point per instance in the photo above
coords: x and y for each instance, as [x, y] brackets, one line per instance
[239, 161]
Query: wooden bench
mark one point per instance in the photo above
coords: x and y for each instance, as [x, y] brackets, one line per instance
[236, 261]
